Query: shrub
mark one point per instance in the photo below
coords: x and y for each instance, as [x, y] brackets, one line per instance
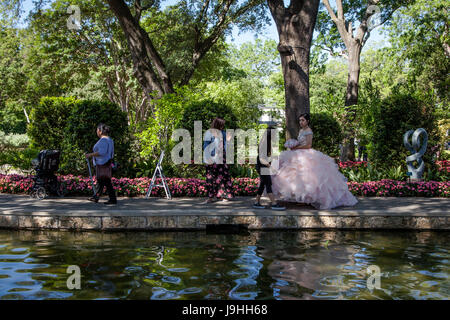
[443, 129]
[391, 119]
[15, 151]
[8, 141]
[205, 111]
[155, 134]
[327, 133]
[12, 117]
[48, 121]
[80, 134]
[19, 158]
[368, 172]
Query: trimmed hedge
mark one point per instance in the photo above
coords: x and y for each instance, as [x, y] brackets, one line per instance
[327, 133]
[80, 134]
[48, 121]
[70, 125]
[205, 111]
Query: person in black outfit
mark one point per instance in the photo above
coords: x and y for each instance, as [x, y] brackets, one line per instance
[263, 168]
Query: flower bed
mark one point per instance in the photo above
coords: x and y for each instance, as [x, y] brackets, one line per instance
[443, 165]
[394, 188]
[77, 185]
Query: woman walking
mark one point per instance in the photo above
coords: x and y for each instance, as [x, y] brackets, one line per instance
[103, 155]
[218, 179]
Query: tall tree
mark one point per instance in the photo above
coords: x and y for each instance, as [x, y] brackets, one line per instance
[295, 25]
[93, 58]
[348, 32]
[13, 114]
[209, 20]
[420, 38]
[205, 24]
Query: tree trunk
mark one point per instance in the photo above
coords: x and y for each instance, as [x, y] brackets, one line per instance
[295, 26]
[144, 55]
[351, 99]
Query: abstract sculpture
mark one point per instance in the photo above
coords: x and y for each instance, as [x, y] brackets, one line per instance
[417, 150]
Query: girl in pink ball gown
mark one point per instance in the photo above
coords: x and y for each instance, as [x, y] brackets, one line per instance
[308, 176]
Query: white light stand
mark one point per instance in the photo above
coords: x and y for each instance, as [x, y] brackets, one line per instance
[159, 171]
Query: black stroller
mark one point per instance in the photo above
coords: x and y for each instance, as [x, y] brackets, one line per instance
[45, 181]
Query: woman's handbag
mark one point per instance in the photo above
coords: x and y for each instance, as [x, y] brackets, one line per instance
[104, 171]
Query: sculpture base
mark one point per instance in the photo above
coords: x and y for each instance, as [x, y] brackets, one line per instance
[415, 180]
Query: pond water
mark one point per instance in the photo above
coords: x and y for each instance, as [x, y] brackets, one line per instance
[199, 265]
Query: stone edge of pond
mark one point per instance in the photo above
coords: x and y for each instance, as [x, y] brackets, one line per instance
[200, 222]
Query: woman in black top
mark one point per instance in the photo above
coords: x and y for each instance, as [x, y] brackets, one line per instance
[263, 168]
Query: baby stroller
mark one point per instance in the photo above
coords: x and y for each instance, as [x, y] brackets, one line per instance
[45, 181]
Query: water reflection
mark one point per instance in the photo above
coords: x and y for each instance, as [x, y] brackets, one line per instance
[196, 265]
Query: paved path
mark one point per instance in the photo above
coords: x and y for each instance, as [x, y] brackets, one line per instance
[20, 211]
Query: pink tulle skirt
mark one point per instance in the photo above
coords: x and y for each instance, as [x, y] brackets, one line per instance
[309, 176]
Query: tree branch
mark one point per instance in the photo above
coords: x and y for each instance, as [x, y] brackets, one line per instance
[142, 51]
[340, 23]
[340, 9]
[201, 47]
[139, 8]
[330, 11]
[203, 11]
[333, 53]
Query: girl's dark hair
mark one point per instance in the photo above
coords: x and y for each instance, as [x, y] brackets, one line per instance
[267, 140]
[104, 129]
[218, 123]
[307, 117]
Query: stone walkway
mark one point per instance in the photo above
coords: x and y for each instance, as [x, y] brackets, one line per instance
[22, 212]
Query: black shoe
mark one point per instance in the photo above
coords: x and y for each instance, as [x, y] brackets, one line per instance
[258, 205]
[93, 199]
[110, 202]
[278, 207]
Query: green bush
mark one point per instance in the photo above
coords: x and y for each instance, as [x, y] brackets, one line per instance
[49, 120]
[12, 117]
[15, 151]
[70, 125]
[19, 158]
[371, 173]
[445, 155]
[389, 120]
[80, 134]
[154, 135]
[8, 141]
[327, 133]
[205, 111]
